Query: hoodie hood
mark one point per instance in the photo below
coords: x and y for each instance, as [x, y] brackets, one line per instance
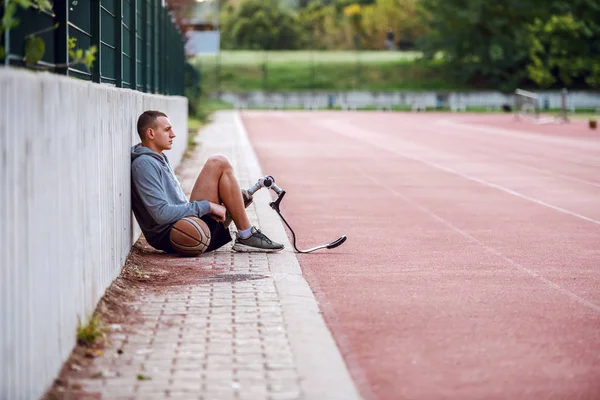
[139, 149]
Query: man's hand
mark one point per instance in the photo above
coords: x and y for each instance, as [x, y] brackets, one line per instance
[217, 211]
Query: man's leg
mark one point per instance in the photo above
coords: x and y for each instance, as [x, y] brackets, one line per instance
[217, 184]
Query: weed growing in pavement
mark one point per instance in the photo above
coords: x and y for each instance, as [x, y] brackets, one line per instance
[90, 332]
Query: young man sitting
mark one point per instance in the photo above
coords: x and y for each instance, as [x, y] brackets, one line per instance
[158, 200]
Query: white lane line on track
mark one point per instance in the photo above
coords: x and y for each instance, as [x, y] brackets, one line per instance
[554, 174]
[523, 163]
[339, 128]
[579, 143]
[487, 248]
[563, 153]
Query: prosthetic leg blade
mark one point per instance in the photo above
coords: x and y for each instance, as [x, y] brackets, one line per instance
[338, 242]
[331, 245]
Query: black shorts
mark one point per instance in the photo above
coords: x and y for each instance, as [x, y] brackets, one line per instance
[219, 235]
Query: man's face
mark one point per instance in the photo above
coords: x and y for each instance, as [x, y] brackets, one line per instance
[162, 134]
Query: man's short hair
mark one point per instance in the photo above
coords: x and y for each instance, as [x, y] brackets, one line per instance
[148, 120]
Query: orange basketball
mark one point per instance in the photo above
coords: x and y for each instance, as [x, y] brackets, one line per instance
[190, 236]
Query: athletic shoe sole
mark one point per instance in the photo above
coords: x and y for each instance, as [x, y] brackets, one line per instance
[242, 248]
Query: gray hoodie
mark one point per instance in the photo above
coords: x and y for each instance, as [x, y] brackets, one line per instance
[157, 198]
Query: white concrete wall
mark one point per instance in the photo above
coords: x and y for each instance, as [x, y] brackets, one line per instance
[65, 216]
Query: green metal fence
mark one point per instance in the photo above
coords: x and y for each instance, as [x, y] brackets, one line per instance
[139, 45]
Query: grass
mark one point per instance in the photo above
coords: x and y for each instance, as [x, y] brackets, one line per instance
[209, 106]
[339, 77]
[248, 58]
[243, 71]
[88, 333]
[203, 111]
[194, 124]
[204, 108]
[281, 71]
[584, 115]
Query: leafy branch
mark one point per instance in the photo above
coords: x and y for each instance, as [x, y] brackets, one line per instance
[35, 47]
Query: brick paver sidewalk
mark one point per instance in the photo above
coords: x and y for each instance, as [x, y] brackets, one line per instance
[224, 325]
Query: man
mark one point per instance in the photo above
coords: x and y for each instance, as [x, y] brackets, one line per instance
[158, 200]
[389, 39]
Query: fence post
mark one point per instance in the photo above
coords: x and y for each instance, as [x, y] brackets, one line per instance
[119, 43]
[61, 37]
[96, 31]
[266, 71]
[155, 30]
[145, 46]
[312, 61]
[158, 48]
[563, 105]
[6, 40]
[162, 52]
[218, 70]
[133, 34]
[357, 44]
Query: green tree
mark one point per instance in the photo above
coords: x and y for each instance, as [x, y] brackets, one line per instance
[482, 40]
[312, 23]
[565, 48]
[505, 44]
[400, 15]
[260, 25]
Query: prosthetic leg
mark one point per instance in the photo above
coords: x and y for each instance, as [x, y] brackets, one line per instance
[269, 183]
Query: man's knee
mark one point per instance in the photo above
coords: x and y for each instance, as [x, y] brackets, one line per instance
[218, 162]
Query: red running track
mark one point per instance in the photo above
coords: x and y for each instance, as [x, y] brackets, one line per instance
[472, 266]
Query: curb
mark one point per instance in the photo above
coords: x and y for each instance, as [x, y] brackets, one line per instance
[324, 374]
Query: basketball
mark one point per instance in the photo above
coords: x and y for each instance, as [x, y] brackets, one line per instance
[190, 236]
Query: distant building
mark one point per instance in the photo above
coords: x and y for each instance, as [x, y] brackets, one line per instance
[200, 21]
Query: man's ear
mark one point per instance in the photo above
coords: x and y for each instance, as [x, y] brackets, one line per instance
[150, 133]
